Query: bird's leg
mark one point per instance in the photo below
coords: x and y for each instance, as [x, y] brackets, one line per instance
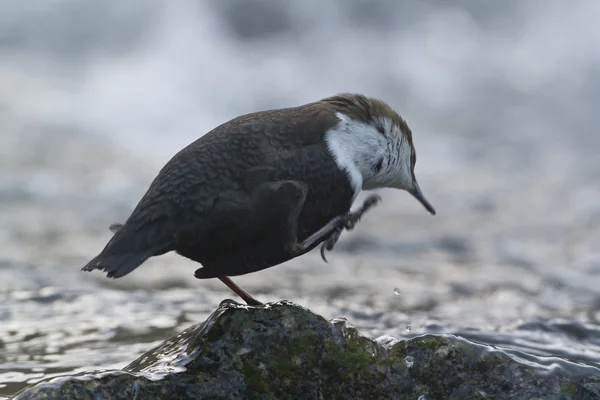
[276, 208]
[285, 201]
[274, 202]
[333, 229]
[251, 301]
[350, 221]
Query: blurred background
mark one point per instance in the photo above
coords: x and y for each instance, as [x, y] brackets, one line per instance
[502, 98]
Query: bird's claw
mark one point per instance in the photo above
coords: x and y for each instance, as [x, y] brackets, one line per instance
[348, 222]
[323, 252]
[330, 243]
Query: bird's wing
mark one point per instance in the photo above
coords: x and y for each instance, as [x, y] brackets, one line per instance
[223, 166]
[231, 157]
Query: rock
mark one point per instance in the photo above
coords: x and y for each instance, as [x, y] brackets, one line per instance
[282, 350]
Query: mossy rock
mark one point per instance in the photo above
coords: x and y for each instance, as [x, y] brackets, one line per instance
[284, 351]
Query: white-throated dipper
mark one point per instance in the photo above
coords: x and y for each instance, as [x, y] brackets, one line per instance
[267, 187]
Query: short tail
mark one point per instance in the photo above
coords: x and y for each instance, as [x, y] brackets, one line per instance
[118, 265]
[117, 261]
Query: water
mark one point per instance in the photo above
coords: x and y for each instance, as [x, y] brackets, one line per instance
[502, 101]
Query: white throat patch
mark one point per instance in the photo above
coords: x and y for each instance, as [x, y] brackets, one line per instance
[355, 146]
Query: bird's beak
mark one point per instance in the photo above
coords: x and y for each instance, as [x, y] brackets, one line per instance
[416, 191]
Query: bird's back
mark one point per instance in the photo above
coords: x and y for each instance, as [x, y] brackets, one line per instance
[191, 194]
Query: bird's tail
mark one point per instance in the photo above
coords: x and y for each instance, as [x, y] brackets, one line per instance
[118, 265]
[117, 260]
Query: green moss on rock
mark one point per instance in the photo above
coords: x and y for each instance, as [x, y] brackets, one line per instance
[282, 350]
[568, 388]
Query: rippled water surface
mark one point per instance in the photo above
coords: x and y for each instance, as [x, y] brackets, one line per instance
[502, 101]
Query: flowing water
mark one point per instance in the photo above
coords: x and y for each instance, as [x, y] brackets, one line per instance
[502, 98]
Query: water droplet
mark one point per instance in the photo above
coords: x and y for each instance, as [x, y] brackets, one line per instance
[408, 328]
[409, 361]
[397, 292]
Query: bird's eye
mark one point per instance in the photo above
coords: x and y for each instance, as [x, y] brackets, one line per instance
[380, 129]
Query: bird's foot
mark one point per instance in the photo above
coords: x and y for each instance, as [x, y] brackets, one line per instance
[330, 243]
[348, 222]
[251, 301]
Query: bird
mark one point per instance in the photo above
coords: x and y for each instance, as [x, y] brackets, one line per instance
[266, 187]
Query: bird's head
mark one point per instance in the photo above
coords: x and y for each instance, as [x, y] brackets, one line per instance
[374, 145]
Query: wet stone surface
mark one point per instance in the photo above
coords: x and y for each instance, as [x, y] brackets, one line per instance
[282, 350]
